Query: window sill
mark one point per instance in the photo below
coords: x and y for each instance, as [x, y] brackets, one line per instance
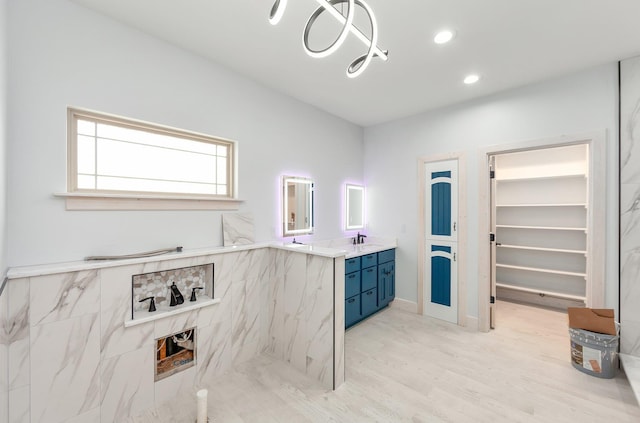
[91, 201]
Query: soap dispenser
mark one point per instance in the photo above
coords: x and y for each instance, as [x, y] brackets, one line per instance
[176, 296]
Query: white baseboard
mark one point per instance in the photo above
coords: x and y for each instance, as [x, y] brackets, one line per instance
[404, 305]
[472, 323]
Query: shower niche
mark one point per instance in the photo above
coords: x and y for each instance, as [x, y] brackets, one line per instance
[165, 293]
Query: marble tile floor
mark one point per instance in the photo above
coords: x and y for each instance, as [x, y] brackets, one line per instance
[405, 368]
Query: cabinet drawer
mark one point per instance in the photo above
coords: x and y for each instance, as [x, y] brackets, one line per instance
[369, 260]
[352, 310]
[387, 255]
[352, 265]
[369, 301]
[352, 284]
[369, 278]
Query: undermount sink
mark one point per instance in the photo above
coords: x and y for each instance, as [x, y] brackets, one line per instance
[296, 245]
[365, 247]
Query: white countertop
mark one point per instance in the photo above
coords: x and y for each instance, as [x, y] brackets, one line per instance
[347, 250]
[314, 249]
[363, 249]
[74, 266]
[332, 249]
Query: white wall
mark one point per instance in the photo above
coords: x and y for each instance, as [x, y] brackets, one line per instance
[4, 304]
[574, 104]
[62, 54]
[3, 138]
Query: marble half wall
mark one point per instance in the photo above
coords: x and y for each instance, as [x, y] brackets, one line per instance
[68, 356]
[630, 206]
[305, 327]
[4, 359]
[238, 229]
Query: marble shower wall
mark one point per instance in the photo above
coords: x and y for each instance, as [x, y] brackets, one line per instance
[238, 229]
[4, 360]
[71, 359]
[630, 206]
[301, 313]
[14, 353]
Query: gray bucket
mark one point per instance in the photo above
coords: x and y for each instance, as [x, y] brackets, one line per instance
[595, 354]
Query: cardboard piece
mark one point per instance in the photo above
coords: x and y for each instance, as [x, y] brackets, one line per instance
[599, 320]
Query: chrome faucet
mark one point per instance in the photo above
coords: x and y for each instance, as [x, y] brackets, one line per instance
[360, 238]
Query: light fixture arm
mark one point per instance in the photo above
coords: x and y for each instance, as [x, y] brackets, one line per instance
[359, 64]
[346, 25]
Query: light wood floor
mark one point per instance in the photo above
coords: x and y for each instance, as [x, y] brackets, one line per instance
[405, 368]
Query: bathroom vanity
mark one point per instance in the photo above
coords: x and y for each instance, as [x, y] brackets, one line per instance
[369, 281]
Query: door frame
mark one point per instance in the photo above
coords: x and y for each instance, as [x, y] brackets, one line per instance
[462, 231]
[596, 222]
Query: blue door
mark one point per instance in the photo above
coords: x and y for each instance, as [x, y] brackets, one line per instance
[441, 215]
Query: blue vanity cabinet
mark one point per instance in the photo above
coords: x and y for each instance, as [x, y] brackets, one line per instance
[369, 284]
[352, 312]
[369, 278]
[386, 283]
[369, 302]
[369, 260]
[352, 290]
[352, 284]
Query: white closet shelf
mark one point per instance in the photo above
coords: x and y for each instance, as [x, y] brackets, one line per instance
[541, 270]
[542, 292]
[533, 178]
[546, 228]
[552, 250]
[544, 205]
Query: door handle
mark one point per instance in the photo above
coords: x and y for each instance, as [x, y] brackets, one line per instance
[454, 256]
[454, 226]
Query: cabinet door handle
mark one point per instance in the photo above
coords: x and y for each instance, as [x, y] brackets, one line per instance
[351, 300]
[454, 226]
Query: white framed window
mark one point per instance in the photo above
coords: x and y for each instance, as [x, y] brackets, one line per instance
[114, 157]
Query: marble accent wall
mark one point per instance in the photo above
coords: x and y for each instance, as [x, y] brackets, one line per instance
[71, 359]
[4, 360]
[630, 206]
[301, 313]
[238, 229]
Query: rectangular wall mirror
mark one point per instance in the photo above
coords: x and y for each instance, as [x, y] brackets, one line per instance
[354, 203]
[297, 208]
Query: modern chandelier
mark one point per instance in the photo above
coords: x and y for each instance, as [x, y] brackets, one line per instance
[360, 63]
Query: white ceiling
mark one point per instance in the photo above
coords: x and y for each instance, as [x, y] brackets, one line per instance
[509, 43]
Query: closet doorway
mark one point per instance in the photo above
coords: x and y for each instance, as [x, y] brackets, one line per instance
[543, 237]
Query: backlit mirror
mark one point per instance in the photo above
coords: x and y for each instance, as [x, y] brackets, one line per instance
[297, 209]
[354, 201]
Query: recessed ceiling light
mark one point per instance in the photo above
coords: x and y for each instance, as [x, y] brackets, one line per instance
[443, 37]
[471, 79]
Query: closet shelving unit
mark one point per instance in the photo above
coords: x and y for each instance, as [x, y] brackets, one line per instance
[541, 227]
